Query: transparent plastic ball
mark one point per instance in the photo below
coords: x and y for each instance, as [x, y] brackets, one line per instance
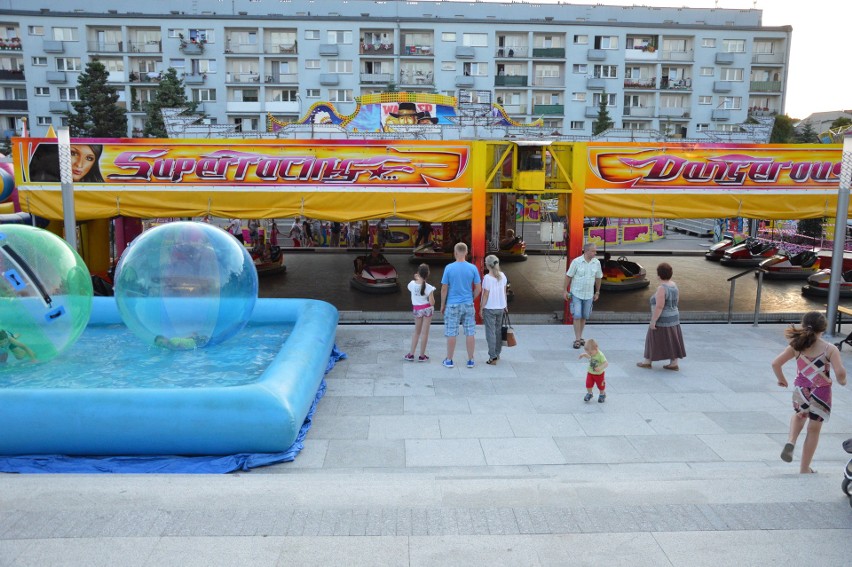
[45, 295]
[185, 285]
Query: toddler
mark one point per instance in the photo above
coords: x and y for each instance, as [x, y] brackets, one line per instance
[595, 373]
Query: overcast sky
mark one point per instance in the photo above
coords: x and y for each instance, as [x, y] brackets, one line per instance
[819, 79]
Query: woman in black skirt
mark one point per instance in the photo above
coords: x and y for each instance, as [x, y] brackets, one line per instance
[664, 339]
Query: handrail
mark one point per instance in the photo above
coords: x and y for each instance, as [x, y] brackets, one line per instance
[733, 280]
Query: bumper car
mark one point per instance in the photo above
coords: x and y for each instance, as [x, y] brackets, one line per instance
[515, 253]
[270, 263]
[718, 250]
[622, 275]
[750, 253]
[782, 266]
[380, 278]
[817, 285]
[431, 253]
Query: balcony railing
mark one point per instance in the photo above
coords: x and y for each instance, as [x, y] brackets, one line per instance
[465, 52]
[595, 83]
[58, 107]
[51, 46]
[510, 52]
[596, 55]
[722, 86]
[677, 55]
[721, 114]
[639, 111]
[549, 52]
[376, 78]
[191, 48]
[672, 112]
[417, 50]
[514, 108]
[549, 109]
[194, 78]
[768, 58]
[11, 44]
[288, 48]
[415, 78]
[282, 78]
[237, 47]
[640, 83]
[510, 81]
[106, 47]
[676, 84]
[548, 81]
[11, 75]
[145, 77]
[765, 86]
[724, 58]
[642, 53]
[377, 49]
[153, 46]
[465, 81]
[13, 105]
[56, 77]
[242, 77]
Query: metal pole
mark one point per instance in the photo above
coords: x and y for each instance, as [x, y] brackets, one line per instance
[757, 300]
[67, 179]
[731, 301]
[839, 233]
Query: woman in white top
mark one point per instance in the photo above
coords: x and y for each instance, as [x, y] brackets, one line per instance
[492, 305]
[423, 305]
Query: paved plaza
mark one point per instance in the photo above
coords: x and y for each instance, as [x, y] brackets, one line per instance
[415, 464]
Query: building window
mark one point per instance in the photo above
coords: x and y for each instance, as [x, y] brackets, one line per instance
[282, 95]
[44, 120]
[606, 71]
[146, 95]
[311, 34]
[766, 47]
[340, 37]
[245, 124]
[340, 95]
[732, 74]
[35, 30]
[177, 63]
[708, 42]
[204, 95]
[606, 42]
[65, 34]
[203, 66]
[312, 64]
[705, 99]
[475, 69]
[732, 102]
[68, 94]
[339, 66]
[578, 125]
[175, 32]
[448, 65]
[68, 64]
[610, 99]
[581, 40]
[702, 127]
[312, 93]
[547, 71]
[708, 71]
[579, 97]
[39, 61]
[448, 36]
[200, 35]
[246, 95]
[475, 39]
[42, 91]
[634, 126]
[580, 68]
[733, 45]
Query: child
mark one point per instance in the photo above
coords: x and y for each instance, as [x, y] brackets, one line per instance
[10, 342]
[423, 305]
[812, 394]
[595, 374]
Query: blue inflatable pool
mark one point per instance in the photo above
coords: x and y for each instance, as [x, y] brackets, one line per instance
[260, 416]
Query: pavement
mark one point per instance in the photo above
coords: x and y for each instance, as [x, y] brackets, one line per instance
[418, 465]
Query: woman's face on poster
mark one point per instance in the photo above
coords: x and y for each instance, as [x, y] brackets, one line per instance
[82, 159]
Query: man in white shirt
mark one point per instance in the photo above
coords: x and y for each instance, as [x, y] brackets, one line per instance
[582, 288]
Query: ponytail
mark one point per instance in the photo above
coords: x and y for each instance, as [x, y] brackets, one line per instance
[813, 323]
[423, 272]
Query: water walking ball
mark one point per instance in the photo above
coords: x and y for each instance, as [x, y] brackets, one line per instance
[185, 285]
[7, 181]
[45, 295]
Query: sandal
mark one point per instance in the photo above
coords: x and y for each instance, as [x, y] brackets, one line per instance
[578, 343]
[674, 367]
[582, 342]
[787, 453]
[643, 364]
[491, 361]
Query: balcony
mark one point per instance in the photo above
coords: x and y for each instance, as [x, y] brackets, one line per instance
[592, 112]
[642, 53]
[765, 86]
[640, 83]
[549, 109]
[11, 44]
[153, 46]
[105, 47]
[194, 78]
[514, 108]
[282, 106]
[722, 86]
[11, 75]
[377, 49]
[145, 77]
[242, 77]
[376, 78]
[13, 105]
[595, 84]
[329, 79]
[288, 48]
[464, 81]
[549, 52]
[58, 107]
[675, 84]
[724, 58]
[191, 48]
[676, 55]
[50, 46]
[234, 106]
[329, 49]
[549, 82]
[511, 52]
[56, 77]
[282, 78]
[407, 77]
[510, 81]
[673, 112]
[768, 58]
[465, 52]
[116, 77]
[596, 55]
[639, 111]
[721, 114]
[236, 47]
[417, 50]
[762, 111]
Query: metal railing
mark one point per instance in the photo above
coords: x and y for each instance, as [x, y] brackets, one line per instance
[733, 280]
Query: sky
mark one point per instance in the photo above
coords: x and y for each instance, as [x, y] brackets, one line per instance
[819, 79]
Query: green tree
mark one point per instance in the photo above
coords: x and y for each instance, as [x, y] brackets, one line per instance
[96, 113]
[841, 122]
[783, 131]
[170, 94]
[807, 135]
[810, 227]
[604, 122]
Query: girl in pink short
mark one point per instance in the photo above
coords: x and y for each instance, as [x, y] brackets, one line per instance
[423, 306]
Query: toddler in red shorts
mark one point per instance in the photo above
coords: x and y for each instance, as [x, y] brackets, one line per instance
[595, 373]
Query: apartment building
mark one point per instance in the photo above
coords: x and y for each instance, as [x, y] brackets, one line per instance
[680, 71]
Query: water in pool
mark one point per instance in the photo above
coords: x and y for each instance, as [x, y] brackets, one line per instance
[113, 357]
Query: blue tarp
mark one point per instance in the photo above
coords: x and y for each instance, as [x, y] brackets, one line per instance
[167, 463]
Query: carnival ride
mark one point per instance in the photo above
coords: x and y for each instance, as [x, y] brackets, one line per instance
[749, 253]
[622, 274]
[718, 250]
[784, 266]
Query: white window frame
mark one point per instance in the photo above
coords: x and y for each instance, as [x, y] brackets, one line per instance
[69, 94]
[731, 102]
[339, 37]
[708, 71]
[733, 45]
[65, 61]
[607, 42]
[312, 93]
[204, 95]
[39, 61]
[475, 39]
[578, 125]
[340, 66]
[44, 120]
[606, 71]
[708, 42]
[35, 30]
[611, 100]
[175, 32]
[579, 96]
[312, 34]
[448, 65]
[313, 64]
[61, 33]
[705, 99]
[448, 36]
[340, 95]
[732, 74]
[581, 39]
[42, 91]
[580, 68]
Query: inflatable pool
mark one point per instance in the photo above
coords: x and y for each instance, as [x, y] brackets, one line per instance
[260, 414]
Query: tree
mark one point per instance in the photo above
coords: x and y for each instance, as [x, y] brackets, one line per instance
[96, 112]
[840, 122]
[170, 94]
[783, 131]
[807, 135]
[810, 227]
[603, 123]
